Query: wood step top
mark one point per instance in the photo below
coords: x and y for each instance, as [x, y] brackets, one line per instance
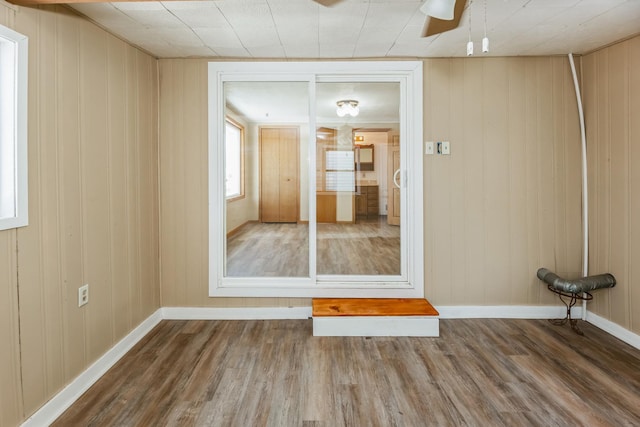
[372, 307]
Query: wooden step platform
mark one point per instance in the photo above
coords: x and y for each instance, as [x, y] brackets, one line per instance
[410, 317]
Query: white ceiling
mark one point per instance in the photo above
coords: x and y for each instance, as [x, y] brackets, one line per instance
[361, 28]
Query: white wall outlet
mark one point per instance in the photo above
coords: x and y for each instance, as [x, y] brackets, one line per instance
[428, 148]
[83, 295]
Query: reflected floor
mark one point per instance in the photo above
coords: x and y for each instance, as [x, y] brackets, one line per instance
[368, 247]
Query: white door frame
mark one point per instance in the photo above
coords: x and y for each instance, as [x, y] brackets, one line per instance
[410, 283]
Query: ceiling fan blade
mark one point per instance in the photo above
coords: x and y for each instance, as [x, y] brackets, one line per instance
[433, 26]
[327, 3]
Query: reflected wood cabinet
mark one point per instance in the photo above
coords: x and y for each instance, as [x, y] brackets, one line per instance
[367, 205]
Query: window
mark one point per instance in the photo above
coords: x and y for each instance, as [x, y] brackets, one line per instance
[234, 160]
[13, 129]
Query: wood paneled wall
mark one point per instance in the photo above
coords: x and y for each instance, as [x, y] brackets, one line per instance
[11, 407]
[503, 204]
[93, 207]
[611, 81]
[507, 199]
[184, 212]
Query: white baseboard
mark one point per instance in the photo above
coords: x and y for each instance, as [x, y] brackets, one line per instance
[614, 329]
[240, 313]
[506, 312]
[48, 413]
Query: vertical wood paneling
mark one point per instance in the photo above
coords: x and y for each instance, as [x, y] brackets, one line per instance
[148, 184]
[132, 193]
[612, 88]
[531, 142]
[117, 173]
[85, 98]
[67, 66]
[559, 151]
[196, 171]
[518, 265]
[458, 191]
[50, 204]
[440, 113]
[603, 180]
[471, 291]
[30, 247]
[495, 106]
[512, 212]
[94, 156]
[619, 175]
[10, 384]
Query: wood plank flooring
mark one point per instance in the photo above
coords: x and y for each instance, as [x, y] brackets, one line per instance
[369, 247]
[274, 373]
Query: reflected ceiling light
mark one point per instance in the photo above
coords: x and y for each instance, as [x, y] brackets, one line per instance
[347, 106]
[441, 9]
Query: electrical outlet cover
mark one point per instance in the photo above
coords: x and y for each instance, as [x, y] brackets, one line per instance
[428, 147]
[83, 295]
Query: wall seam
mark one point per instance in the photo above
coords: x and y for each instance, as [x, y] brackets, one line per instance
[108, 254]
[19, 327]
[158, 183]
[628, 56]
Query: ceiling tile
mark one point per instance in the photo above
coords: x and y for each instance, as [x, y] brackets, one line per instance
[139, 6]
[306, 50]
[337, 50]
[198, 14]
[227, 52]
[267, 51]
[362, 28]
[154, 18]
[257, 36]
[219, 37]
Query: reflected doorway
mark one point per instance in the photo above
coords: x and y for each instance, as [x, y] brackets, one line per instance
[354, 236]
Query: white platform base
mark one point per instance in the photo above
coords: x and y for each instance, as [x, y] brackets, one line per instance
[376, 326]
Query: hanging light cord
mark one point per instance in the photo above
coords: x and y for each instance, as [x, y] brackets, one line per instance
[485, 18]
[470, 3]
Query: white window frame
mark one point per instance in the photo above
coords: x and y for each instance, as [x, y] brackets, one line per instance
[410, 284]
[13, 128]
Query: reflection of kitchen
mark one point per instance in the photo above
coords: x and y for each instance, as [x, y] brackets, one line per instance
[352, 174]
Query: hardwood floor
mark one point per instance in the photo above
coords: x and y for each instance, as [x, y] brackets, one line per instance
[274, 373]
[369, 247]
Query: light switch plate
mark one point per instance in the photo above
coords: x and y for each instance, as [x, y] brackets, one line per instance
[446, 148]
[428, 148]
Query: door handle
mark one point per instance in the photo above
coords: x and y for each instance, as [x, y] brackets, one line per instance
[395, 178]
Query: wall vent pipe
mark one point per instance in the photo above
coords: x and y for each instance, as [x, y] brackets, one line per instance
[585, 194]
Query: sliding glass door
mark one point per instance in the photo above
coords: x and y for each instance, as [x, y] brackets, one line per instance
[267, 224]
[311, 188]
[357, 125]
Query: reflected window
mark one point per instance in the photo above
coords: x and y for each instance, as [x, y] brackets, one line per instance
[234, 160]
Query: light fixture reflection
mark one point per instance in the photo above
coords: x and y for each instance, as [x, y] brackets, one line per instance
[347, 106]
